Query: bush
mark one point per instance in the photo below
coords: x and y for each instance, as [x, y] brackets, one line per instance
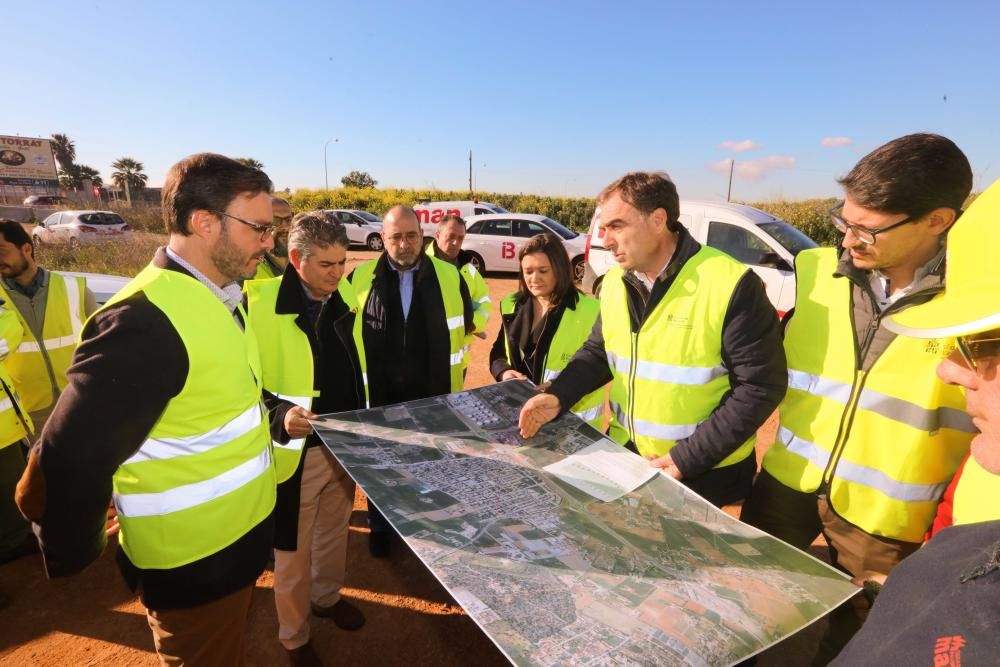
[116, 258]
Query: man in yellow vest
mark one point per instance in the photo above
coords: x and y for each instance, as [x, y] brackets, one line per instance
[304, 322]
[16, 539]
[274, 262]
[51, 308]
[869, 436]
[163, 416]
[687, 338]
[945, 593]
[415, 314]
[447, 246]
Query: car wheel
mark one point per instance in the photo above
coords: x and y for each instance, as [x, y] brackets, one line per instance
[478, 263]
[374, 242]
[597, 287]
[578, 270]
[38, 239]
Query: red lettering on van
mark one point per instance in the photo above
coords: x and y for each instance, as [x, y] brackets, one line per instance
[507, 250]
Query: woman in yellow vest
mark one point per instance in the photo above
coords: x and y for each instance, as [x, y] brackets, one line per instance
[545, 322]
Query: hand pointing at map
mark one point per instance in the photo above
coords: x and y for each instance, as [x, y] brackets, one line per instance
[536, 413]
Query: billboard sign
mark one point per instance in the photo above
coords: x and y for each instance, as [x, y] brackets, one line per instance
[27, 161]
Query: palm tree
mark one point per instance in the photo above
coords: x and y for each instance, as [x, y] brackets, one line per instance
[64, 150]
[250, 162]
[127, 170]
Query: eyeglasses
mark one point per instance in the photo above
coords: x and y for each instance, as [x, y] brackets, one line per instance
[411, 237]
[263, 230]
[976, 351]
[863, 234]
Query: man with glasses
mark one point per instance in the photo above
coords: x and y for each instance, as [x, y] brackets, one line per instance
[415, 314]
[869, 436]
[274, 262]
[947, 590]
[162, 415]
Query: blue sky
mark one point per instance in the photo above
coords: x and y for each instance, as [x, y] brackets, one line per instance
[552, 97]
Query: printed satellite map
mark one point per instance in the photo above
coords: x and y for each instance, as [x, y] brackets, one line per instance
[555, 576]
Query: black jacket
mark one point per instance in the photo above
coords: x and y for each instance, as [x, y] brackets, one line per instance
[408, 359]
[130, 363]
[336, 375]
[751, 351]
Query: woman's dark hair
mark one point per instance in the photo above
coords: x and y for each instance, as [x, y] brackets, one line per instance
[206, 181]
[549, 245]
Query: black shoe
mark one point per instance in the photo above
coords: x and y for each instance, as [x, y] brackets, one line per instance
[343, 614]
[304, 656]
[378, 544]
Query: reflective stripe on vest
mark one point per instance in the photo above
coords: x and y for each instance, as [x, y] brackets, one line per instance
[669, 376]
[575, 326]
[203, 477]
[976, 495]
[448, 280]
[61, 327]
[884, 443]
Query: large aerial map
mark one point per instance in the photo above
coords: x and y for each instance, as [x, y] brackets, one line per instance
[555, 576]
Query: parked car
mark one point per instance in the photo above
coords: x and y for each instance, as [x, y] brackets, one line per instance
[494, 240]
[81, 228]
[431, 213]
[766, 244]
[363, 228]
[44, 200]
[103, 285]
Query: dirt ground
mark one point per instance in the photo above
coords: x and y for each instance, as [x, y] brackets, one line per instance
[92, 619]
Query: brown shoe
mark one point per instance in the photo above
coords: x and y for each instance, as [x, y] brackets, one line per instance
[344, 615]
[304, 656]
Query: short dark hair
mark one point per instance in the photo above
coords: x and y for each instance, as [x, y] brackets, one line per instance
[647, 191]
[453, 217]
[13, 232]
[914, 174]
[206, 181]
[314, 229]
[548, 244]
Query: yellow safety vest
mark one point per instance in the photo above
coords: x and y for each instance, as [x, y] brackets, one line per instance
[286, 359]
[265, 271]
[454, 310]
[977, 495]
[15, 423]
[481, 303]
[669, 377]
[64, 317]
[885, 443]
[575, 326]
[203, 477]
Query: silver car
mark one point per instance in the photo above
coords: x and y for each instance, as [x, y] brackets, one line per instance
[363, 228]
[78, 228]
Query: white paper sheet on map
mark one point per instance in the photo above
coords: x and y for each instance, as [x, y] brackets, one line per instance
[604, 469]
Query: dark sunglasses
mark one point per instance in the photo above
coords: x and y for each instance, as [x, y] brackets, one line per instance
[976, 350]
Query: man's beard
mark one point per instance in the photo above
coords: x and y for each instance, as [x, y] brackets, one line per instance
[229, 261]
[15, 270]
[280, 248]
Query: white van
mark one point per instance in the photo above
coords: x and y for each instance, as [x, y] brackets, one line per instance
[766, 244]
[431, 213]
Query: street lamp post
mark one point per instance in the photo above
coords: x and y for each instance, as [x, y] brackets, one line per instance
[326, 172]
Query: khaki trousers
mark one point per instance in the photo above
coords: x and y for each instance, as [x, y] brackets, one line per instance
[211, 635]
[314, 572]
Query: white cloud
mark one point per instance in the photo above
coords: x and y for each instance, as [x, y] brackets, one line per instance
[834, 142]
[755, 170]
[739, 146]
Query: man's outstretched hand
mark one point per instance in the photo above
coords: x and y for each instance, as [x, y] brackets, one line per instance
[536, 413]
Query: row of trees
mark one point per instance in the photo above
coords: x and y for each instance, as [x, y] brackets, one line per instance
[128, 172]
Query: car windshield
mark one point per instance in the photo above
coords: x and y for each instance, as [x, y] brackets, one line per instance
[559, 229]
[102, 219]
[791, 238]
[370, 217]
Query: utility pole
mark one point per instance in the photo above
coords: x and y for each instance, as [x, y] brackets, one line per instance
[470, 172]
[729, 194]
[326, 172]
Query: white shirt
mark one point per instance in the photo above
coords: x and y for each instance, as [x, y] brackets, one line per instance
[230, 295]
[405, 286]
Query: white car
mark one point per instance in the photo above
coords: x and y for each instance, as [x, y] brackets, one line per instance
[363, 228]
[494, 240]
[78, 228]
[103, 285]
